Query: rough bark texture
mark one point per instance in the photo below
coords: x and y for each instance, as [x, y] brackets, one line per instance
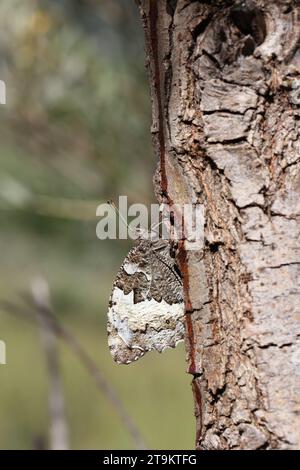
[225, 87]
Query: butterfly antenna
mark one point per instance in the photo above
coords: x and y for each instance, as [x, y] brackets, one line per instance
[112, 204]
[154, 226]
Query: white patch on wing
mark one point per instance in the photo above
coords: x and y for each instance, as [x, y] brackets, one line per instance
[144, 325]
[130, 268]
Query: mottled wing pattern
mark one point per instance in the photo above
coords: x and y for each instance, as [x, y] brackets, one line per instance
[146, 309]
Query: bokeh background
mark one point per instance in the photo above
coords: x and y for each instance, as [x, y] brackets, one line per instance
[75, 132]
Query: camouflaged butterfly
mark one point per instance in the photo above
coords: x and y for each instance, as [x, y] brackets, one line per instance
[146, 310]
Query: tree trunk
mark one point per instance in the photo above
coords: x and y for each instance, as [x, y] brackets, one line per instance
[225, 87]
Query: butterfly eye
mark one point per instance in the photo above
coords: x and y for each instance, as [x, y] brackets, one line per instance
[168, 322]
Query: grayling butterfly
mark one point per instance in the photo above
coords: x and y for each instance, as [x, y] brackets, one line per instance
[146, 310]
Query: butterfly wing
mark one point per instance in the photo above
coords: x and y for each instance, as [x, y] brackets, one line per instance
[146, 309]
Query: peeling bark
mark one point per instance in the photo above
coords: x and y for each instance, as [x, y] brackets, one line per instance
[225, 88]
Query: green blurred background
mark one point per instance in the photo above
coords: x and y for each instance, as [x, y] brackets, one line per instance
[75, 132]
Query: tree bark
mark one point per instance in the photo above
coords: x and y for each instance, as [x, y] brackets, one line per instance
[225, 88]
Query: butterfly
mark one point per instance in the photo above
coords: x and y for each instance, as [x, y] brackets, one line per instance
[146, 309]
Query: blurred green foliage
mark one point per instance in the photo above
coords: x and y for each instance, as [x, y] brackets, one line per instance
[75, 132]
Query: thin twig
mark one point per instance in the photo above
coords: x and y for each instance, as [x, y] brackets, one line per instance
[59, 434]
